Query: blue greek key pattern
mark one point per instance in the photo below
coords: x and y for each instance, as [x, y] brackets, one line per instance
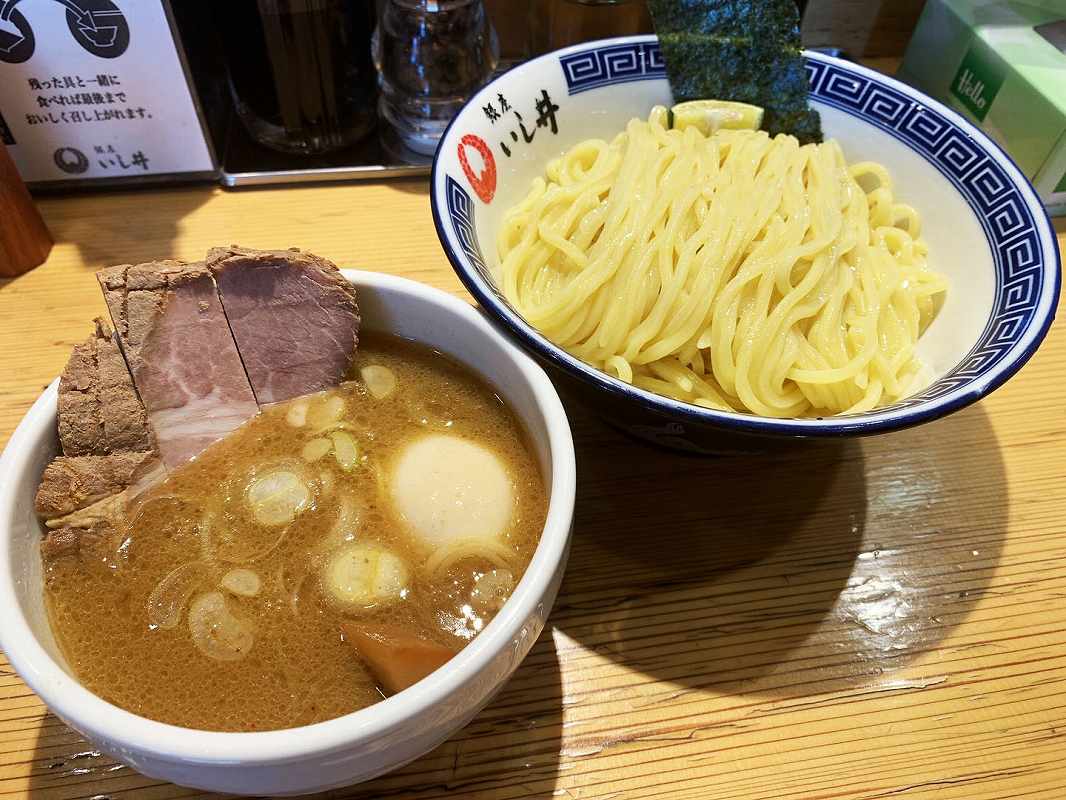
[1003, 214]
[623, 63]
[461, 211]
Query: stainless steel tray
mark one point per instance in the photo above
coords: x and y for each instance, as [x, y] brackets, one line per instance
[244, 162]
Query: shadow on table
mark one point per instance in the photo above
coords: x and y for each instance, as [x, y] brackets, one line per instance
[789, 575]
[415, 185]
[786, 575]
[510, 749]
[132, 227]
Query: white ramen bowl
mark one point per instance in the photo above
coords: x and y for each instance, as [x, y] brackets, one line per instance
[365, 743]
[984, 224]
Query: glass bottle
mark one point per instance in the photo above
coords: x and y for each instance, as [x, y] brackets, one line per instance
[300, 71]
[431, 56]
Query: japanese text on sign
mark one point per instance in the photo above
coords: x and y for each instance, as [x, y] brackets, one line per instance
[108, 106]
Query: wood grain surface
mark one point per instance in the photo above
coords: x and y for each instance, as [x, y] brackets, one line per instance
[866, 28]
[883, 618]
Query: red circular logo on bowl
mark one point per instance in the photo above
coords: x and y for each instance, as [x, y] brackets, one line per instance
[485, 183]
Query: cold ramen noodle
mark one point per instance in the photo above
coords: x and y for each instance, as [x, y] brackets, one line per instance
[733, 270]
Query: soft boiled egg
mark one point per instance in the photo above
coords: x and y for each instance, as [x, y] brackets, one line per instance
[447, 488]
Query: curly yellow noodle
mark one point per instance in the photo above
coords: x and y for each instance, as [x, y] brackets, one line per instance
[734, 271]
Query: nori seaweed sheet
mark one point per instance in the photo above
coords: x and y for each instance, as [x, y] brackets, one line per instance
[745, 50]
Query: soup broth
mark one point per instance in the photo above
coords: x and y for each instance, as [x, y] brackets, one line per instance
[218, 602]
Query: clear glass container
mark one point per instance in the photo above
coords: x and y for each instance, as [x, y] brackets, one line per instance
[431, 55]
[300, 71]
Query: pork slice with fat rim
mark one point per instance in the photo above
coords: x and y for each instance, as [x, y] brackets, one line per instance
[179, 349]
[122, 416]
[103, 432]
[99, 411]
[293, 315]
[70, 483]
[81, 431]
[74, 541]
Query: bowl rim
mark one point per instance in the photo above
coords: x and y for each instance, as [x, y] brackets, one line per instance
[99, 719]
[865, 423]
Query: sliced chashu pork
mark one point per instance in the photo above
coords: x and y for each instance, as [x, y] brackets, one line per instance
[70, 483]
[179, 349]
[293, 315]
[99, 411]
[81, 430]
[177, 343]
[106, 443]
[103, 432]
[75, 541]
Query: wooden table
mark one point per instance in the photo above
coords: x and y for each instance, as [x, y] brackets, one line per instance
[881, 619]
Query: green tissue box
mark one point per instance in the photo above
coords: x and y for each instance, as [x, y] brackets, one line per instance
[1002, 65]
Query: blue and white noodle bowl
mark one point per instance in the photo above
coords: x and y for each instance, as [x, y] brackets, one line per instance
[981, 219]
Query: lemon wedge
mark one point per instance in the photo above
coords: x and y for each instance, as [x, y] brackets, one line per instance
[709, 116]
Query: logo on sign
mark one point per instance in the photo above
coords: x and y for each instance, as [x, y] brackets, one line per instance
[71, 160]
[484, 183]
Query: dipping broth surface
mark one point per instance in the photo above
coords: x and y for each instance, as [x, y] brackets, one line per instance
[218, 603]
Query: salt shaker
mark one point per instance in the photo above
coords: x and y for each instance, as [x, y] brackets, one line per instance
[431, 56]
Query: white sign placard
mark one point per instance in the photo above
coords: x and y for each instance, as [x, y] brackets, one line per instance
[95, 89]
